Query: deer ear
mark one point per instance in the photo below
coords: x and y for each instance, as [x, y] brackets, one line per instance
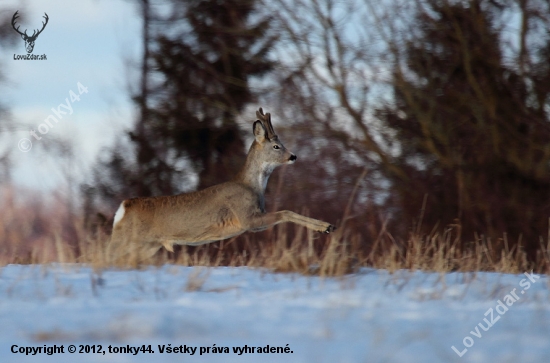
[259, 131]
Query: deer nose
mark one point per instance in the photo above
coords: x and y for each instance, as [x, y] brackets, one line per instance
[293, 157]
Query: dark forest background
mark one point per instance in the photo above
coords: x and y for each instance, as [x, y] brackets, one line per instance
[426, 115]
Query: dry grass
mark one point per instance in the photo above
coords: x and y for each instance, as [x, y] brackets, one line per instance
[34, 232]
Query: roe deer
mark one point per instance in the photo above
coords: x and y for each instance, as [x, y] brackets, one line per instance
[143, 225]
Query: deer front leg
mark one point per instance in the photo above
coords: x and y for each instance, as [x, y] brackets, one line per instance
[264, 221]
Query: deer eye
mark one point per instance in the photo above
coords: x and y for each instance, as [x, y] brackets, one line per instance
[276, 147]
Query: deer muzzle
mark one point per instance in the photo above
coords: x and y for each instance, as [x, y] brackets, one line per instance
[292, 158]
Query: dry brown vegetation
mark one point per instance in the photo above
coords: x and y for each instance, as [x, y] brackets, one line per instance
[36, 231]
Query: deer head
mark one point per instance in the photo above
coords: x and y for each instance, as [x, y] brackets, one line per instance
[270, 151]
[29, 40]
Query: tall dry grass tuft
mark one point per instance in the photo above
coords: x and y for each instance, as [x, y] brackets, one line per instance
[37, 230]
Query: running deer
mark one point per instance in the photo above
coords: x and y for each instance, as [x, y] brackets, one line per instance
[143, 225]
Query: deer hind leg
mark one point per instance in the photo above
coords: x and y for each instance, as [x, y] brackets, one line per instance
[133, 254]
[130, 251]
[264, 221]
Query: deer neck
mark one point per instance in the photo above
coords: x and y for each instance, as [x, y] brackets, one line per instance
[255, 172]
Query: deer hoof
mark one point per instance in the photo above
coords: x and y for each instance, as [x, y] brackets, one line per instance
[330, 228]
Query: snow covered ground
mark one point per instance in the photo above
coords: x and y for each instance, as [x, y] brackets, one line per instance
[371, 316]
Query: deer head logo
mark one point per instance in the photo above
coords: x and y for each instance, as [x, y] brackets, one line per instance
[29, 40]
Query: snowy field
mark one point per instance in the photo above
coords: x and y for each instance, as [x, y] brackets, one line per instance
[371, 316]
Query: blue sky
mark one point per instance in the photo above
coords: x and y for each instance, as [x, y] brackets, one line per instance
[88, 41]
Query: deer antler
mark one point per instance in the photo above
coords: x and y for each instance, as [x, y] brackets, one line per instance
[266, 120]
[34, 34]
[15, 16]
[43, 26]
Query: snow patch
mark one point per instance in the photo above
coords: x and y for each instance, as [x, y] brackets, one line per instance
[374, 316]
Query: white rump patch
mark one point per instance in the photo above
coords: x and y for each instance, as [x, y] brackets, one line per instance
[119, 214]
